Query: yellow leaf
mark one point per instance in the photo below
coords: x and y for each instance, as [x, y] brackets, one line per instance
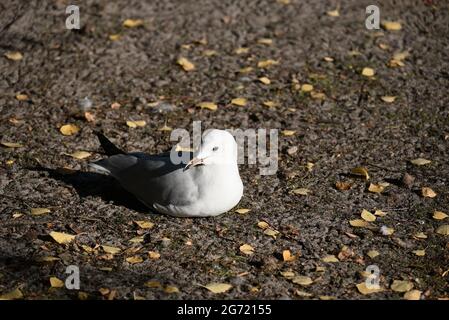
[420, 161]
[327, 297]
[56, 283]
[287, 256]
[135, 124]
[359, 223]
[265, 41]
[114, 37]
[14, 55]
[153, 284]
[388, 99]
[111, 250]
[239, 102]
[333, 13]
[154, 255]
[301, 191]
[69, 129]
[306, 87]
[269, 104]
[412, 295]
[262, 224]
[317, 95]
[243, 210]
[368, 72]
[401, 286]
[171, 289]
[288, 133]
[209, 53]
[207, 105]
[328, 59]
[136, 239]
[372, 254]
[246, 249]
[363, 289]
[330, 258]
[443, 230]
[271, 232]
[267, 63]
[420, 235]
[17, 215]
[439, 215]
[15, 294]
[392, 25]
[21, 97]
[186, 64]
[11, 144]
[218, 287]
[288, 274]
[241, 50]
[79, 154]
[134, 259]
[361, 171]
[144, 224]
[379, 213]
[302, 280]
[375, 188]
[384, 46]
[265, 80]
[428, 192]
[420, 253]
[246, 70]
[133, 23]
[62, 238]
[309, 166]
[368, 216]
[39, 211]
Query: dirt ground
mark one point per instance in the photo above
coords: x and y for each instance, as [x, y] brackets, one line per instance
[351, 126]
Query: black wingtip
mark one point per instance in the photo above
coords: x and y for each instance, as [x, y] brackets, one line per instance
[109, 148]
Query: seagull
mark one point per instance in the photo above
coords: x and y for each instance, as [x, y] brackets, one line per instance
[208, 185]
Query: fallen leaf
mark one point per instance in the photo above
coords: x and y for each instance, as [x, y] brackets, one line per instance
[327, 297]
[134, 259]
[171, 289]
[62, 238]
[413, 295]
[262, 224]
[288, 274]
[143, 224]
[309, 166]
[21, 97]
[265, 41]
[380, 213]
[246, 70]
[372, 253]
[17, 215]
[330, 258]
[266, 63]
[419, 253]
[306, 87]
[363, 289]
[12, 295]
[246, 249]
[153, 284]
[287, 256]
[439, 215]
[271, 232]
[79, 154]
[241, 50]
[288, 133]
[342, 186]
[368, 216]
[386, 231]
[428, 192]
[243, 210]
[218, 287]
[69, 129]
[361, 171]
[186, 64]
[133, 23]
[359, 223]
[111, 250]
[420, 161]
[401, 286]
[328, 59]
[56, 283]
[301, 191]
[14, 55]
[209, 53]
[317, 95]
[368, 72]
[384, 46]
[48, 259]
[239, 102]
[135, 124]
[375, 188]
[114, 37]
[90, 117]
[420, 235]
[443, 230]
[207, 105]
[388, 99]
[391, 25]
[136, 239]
[270, 104]
[333, 13]
[11, 144]
[264, 80]
[39, 211]
[302, 280]
[115, 105]
[154, 255]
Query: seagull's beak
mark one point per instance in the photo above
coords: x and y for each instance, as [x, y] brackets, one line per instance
[194, 162]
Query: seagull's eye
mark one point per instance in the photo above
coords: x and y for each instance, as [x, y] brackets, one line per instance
[214, 148]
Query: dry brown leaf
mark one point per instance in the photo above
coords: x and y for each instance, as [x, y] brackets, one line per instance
[439, 215]
[368, 216]
[413, 295]
[242, 210]
[333, 13]
[208, 105]
[420, 235]
[266, 63]
[360, 171]
[428, 192]
[330, 258]
[241, 50]
[12, 295]
[363, 289]
[265, 80]
[186, 64]
[328, 59]
[239, 102]
[271, 232]
[215, 287]
[262, 224]
[368, 72]
[246, 70]
[21, 97]
[388, 99]
[143, 224]
[288, 274]
[62, 238]
[153, 284]
[342, 186]
[391, 25]
[443, 230]
[317, 95]
[306, 87]
[246, 249]
[270, 104]
[14, 55]
[359, 223]
[114, 37]
[171, 289]
[301, 191]
[154, 255]
[376, 188]
[380, 213]
[39, 211]
[133, 23]
[11, 144]
[288, 133]
[56, 283]
[419, 253]
[209, 53]
[420, 161]
[134, 259]
[401, 286]
[265, 41]
[115, 105]
[138, 239]
[135, 124]
[302, 280]
[69, 129]
[111, 250]
[79, 154]
[287, 256]
[372, 253]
